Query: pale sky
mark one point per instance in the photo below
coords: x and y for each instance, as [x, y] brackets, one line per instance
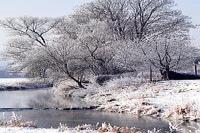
[56, 8]
[191, 8]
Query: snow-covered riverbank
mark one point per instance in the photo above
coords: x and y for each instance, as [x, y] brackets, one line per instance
[166, 99]
[31, 130]
[169, 100]
[104, 128]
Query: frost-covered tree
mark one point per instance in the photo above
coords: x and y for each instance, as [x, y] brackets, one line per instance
[168, 52]
[27, 36]
[102, 37]
[66, 58]
[37, 45]
[142, 22]
[129, 57]
[33, 28]
[135, 19]
[98, 45]
[145, 23]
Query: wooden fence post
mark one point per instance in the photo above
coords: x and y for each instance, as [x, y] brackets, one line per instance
[195, 69]
[150, 74]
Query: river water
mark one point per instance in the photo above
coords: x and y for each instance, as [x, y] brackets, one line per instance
[52, 118]
[16, 101]
[19, 99]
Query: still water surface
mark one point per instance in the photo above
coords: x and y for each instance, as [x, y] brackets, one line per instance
[52, 118]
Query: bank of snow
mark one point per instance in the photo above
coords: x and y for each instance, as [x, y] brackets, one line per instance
[31, 130]
[165, 99]
[104, 128]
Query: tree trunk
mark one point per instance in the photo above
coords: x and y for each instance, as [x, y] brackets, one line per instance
[195, 70]
[150, 73]
[165, 73]
[81, 85]
[79, 82]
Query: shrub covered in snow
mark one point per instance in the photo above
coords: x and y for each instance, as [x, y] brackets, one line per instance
[123, 82]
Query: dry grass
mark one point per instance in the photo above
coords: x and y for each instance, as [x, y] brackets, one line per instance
[106, 128]
[187, 112]
[16, 121]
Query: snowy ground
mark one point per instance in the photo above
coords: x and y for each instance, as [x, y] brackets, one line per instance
[19, 126]
[29, 130]
[104, 128]
[166, 99]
